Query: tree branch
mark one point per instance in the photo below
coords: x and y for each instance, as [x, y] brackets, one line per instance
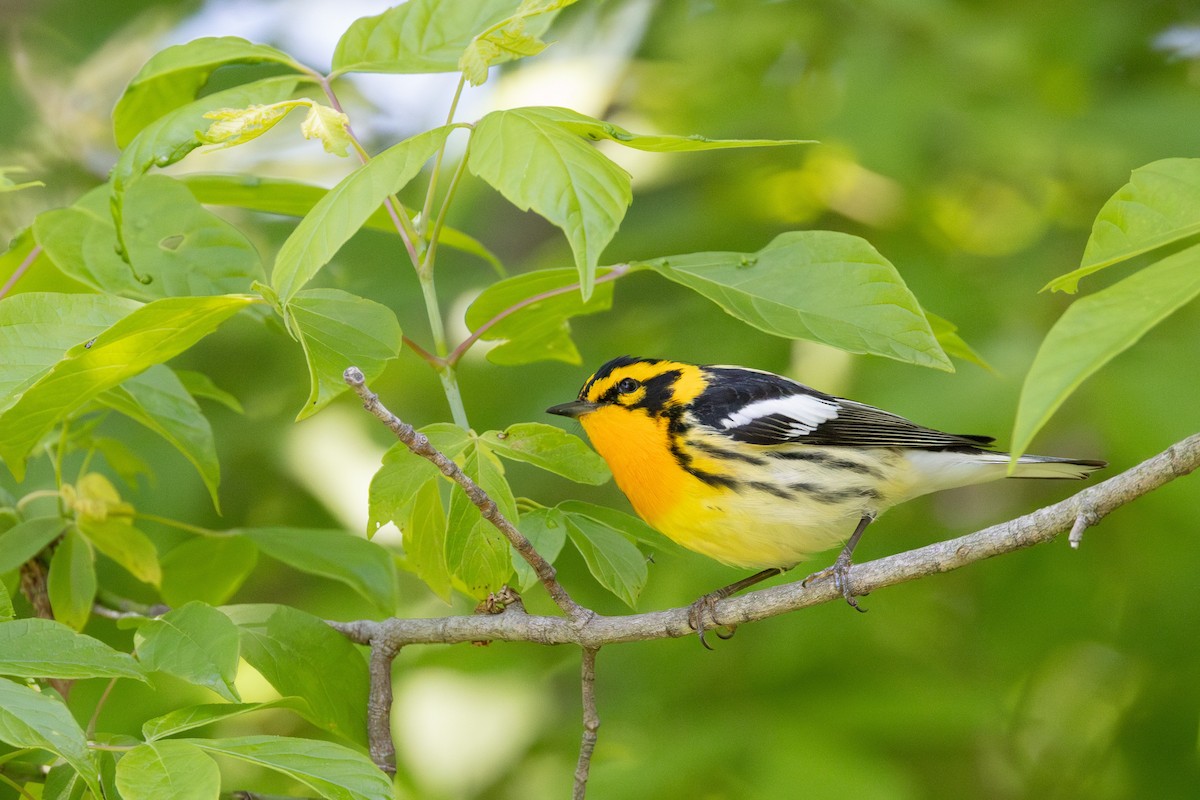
[379, 708]
[420, 444]
[595, 631]
[591, 723]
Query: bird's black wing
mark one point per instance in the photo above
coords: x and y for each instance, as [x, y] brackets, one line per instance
[765, 409]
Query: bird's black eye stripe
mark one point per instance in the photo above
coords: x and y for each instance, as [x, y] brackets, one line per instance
[628, 386]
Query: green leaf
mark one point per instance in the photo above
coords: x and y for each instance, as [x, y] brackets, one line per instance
[199, 385]
[595, 129]
[194, 642]
[627, 525]
[477, 554]
[418, 36]
[119, 540]
[300, 655]
[158, 400]
[174, 76]
[538, 164]
[395, 485]
[293, 198]
[179, 247]
[173, 135]
[7, 184]
[150, 335]
[333, 771]
[33, 719]
[71, 583]
[175, 769]
[546, 530]
[820, 285]
[1156, 208]
[535, 329]
[192, 717]
[6, 607]
[551, 449]
[36, 328]
[234, 126]
[616, 563]
[1095, 329]
[516, 36]
[207, 568]
[82, 240]
[366, 568]
[44, 648]
[343, 210]
[63, 783]
[25, 540]
[424, 536]
[329, 126]
[337, 330]
[952, 344]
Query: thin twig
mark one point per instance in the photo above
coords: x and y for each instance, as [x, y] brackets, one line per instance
[90, 731]
[591, 723]
[420, 444]
[379, 708]
[596, 631]
[25, 264]
[617, 271]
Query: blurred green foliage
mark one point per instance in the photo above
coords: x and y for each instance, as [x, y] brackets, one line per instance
[972, 143]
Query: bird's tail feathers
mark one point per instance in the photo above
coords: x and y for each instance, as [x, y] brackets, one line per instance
[1051, 467]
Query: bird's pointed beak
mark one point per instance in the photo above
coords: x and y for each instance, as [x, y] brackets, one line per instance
[573, 409]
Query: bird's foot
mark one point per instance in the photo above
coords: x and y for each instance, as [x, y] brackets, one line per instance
[840, 570]
[703, 611]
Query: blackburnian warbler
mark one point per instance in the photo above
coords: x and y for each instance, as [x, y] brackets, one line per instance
[759, 471]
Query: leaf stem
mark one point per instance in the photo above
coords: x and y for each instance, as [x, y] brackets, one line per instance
[617, 271]
[21, 269]
[172, 523]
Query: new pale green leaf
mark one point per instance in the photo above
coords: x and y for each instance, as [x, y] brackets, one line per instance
[43, 648]
[32, 719]
[337, 330]
[173, 135]
[1156, 208]
[551, 449]
[333, 771]
[342, 211]
[175, 769]
[173, 77]
[147, 336]
[820, 285]
[195, 642]
[6, 607]
[539, 164]
[1096, 328]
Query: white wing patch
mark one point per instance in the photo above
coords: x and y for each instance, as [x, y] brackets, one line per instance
[805, 413]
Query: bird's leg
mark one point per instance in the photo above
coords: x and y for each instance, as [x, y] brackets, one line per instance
[841, 566]
[706, 604]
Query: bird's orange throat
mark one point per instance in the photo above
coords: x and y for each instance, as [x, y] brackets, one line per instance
[637, 449]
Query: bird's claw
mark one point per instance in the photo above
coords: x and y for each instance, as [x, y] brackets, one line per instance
[840, 570]
[705, 608]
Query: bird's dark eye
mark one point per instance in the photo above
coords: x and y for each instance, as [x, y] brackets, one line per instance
[628, 386]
